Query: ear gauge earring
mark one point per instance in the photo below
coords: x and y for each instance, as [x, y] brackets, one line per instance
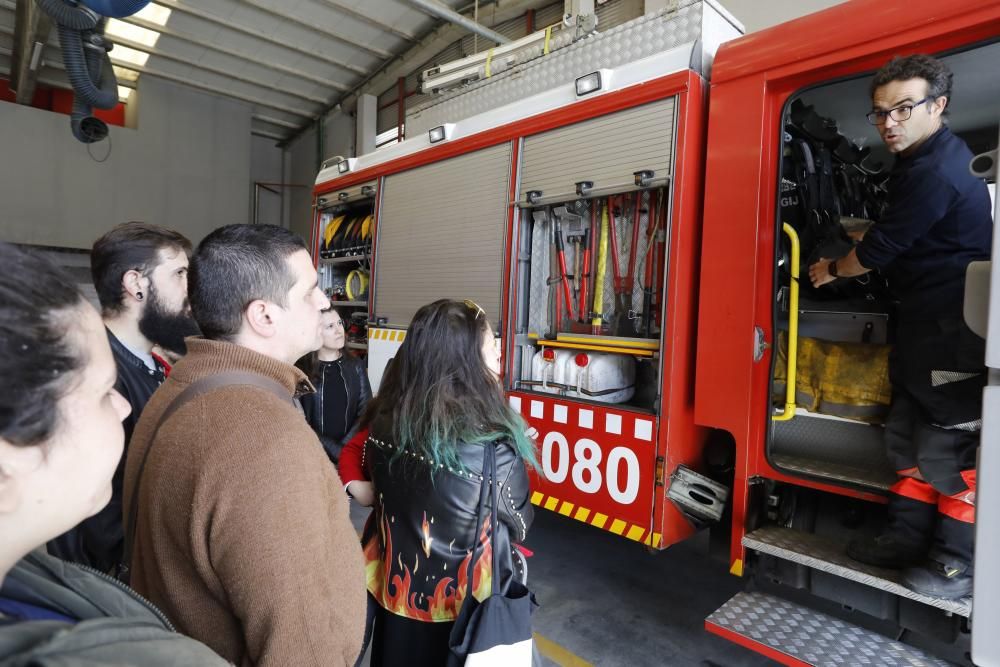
[138, 296]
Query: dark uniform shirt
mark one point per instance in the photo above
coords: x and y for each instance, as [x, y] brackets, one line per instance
[936, 222]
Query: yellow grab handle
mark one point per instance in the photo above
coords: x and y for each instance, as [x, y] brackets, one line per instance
[602, 270]
[793, 329]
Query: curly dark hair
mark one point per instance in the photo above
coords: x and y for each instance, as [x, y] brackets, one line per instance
[39, 358]
[918, 66]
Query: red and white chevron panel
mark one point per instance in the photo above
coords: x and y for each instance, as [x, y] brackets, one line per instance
[597, 463]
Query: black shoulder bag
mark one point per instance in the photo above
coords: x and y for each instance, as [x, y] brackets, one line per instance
[497, 631]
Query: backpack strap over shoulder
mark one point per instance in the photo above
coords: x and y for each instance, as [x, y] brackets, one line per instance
[192, 391]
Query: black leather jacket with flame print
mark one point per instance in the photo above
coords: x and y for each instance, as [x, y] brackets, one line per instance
[420, 536]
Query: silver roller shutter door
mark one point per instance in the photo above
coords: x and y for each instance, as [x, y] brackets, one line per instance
[441, 234]
[606, 150]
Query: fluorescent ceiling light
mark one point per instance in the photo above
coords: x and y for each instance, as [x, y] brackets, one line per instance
[124, 93]
[126, 55]
[154, 13]
[123, 74]
[133, 33]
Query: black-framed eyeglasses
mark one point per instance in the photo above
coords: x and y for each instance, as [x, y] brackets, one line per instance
[898, 114]
[472, 305]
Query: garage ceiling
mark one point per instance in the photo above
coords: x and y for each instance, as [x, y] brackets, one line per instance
[292, 60]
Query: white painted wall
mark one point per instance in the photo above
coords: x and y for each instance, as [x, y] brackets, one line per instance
[303, 166]
[186, 165]
[266, 167]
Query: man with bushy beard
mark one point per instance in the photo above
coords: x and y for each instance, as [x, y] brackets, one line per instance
[140, 274]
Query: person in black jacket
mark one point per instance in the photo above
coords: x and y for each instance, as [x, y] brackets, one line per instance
[439, 405]
[342, 387]
[61, 438]
[937, 221]
[140, 273]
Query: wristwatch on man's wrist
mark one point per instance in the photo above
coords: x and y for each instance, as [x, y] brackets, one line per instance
[832, 268]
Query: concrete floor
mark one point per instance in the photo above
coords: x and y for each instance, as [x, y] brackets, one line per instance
[606, 601]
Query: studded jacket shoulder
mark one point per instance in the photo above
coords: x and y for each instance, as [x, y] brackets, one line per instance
[420, 536]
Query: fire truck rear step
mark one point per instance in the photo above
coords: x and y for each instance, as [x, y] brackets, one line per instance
[825, 555]
[832, 448]
[797, 635]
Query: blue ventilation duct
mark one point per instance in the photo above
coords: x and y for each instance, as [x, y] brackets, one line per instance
[116, 9]
[85, 56]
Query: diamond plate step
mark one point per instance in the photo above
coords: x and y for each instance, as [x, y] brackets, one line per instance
[829, 556]
[796, 635]
[876, 479]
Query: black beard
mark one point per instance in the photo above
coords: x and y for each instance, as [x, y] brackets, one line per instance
[168, 330]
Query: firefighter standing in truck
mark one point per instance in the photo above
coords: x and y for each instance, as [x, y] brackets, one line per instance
[937, 221]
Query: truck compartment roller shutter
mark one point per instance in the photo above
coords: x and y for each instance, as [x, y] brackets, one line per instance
[606, 150]
[441, 235]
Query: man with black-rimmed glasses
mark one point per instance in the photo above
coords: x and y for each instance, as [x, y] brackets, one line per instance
[936, 222]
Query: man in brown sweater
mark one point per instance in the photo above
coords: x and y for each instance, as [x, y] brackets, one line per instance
[242, 533]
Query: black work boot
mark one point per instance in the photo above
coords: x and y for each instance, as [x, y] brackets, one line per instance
[889, 551]
[938, 580]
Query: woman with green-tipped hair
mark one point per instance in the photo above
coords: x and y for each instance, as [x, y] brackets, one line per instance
[439, 405]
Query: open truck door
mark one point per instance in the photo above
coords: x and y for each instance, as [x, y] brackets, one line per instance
[811, 472]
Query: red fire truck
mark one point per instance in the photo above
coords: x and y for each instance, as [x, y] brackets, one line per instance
[637, 233]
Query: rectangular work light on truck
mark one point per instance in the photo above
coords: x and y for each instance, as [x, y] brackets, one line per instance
[590, 83]
[441, 132]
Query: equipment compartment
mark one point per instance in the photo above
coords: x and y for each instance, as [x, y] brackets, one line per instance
[346, 228]
[590, 297]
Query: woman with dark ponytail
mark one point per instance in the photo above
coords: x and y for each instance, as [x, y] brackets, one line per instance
[439, 405]
[61, 437]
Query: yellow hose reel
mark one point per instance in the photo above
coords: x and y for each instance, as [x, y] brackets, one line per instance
[356, 285]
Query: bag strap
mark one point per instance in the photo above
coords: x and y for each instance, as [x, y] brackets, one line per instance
[491, 452]
[197, 388]
[487, 487]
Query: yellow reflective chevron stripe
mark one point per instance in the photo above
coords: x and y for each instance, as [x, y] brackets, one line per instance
[631, 531]
[394, 335]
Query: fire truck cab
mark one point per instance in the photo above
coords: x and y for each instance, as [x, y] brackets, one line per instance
[810, 472]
